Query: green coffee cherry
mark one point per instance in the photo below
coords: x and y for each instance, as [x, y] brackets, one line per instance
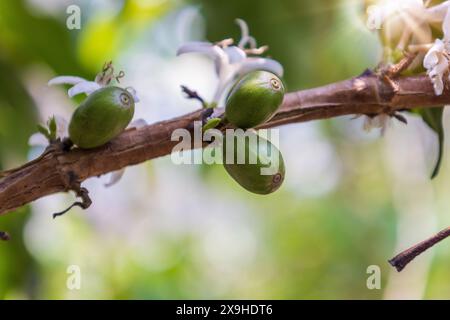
[254, 99]
[101, 117]
[249, 174]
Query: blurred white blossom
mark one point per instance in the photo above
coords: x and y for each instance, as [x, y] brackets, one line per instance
[380, 121]
[413, 18]
[232, 61]
[381, 12]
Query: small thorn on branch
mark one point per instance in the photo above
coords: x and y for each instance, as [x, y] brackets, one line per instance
[85, 202]
[401, 260]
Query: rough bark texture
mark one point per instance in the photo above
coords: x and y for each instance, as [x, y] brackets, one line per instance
[58, 171]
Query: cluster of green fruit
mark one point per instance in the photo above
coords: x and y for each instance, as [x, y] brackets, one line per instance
[253, 100]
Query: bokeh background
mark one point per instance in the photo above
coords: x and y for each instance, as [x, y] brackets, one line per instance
[351, 199]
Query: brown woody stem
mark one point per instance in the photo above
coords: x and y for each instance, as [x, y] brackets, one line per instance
[54, 171]
[401, 260]
[59, 170]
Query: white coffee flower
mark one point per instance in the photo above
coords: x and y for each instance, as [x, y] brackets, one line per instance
[437, 59]
[380, 12]
[409, 22]
[81, 85]
[436, 62]
[406, 21]
[231, 61]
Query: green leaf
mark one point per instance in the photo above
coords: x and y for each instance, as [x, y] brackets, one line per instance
[42, 129]
[211, 123]
[52, 127]
[433, 118]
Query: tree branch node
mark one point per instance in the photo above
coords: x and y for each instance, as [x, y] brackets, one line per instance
[80, 192]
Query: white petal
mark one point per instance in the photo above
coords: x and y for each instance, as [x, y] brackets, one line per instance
[436, 76]
[65, 80]
[211, 50]
[221, 88]
[421, 34]
[437, 65]
[367, 125]
[438, 85]
[37, 139]
[413, 7]
[133, 92]
[433, 55]
[375, 17]
[437, 13]
[61, 127]
[251, 64]
[193, 46]
[402, 10]
[245, 35]
[114, 177]
[235, 54]
[384, 122]
[214, 52]
[380, 121]
[86, 87]
[243, 26]
[138, 123]
[446, 26]
[441, 67]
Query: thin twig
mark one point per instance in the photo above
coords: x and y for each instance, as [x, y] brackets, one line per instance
[401, 260]
[85, 202]
[191, 94]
